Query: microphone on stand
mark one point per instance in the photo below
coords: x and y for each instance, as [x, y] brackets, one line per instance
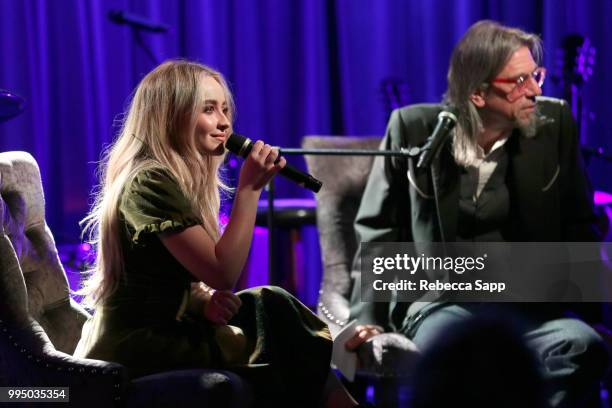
[241, 146]
[446, 122]
[136, 21]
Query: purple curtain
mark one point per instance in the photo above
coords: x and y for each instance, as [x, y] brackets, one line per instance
[296, 67]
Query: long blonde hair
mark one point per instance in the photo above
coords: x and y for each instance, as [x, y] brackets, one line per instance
[158, 130]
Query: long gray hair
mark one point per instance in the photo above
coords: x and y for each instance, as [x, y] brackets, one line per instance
[479, 57]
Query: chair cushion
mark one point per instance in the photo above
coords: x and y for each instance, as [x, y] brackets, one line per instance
[186, 388]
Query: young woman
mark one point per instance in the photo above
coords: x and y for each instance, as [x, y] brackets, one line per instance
[160, 251]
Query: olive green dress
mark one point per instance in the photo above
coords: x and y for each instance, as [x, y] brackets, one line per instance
[145, 326]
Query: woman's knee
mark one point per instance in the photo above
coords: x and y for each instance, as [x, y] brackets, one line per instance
[270, 290]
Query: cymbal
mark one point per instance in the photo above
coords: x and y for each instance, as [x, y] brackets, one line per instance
[11, 105]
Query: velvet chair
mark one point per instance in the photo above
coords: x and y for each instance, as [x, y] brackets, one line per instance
[387, 360]
[40, 324]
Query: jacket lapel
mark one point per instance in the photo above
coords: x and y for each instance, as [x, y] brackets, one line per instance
[424, 214]
[530, 168]
[449, 194]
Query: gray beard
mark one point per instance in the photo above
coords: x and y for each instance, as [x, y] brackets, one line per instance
[530, 127]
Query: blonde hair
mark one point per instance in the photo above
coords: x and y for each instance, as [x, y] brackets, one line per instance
[158, 130]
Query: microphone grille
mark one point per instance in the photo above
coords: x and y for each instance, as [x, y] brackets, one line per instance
[449, 111]
[236, 143]
[116, 16]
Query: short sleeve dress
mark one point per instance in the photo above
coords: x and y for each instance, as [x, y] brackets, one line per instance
[145, 326]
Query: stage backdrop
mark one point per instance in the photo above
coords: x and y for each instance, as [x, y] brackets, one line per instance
[297, 67]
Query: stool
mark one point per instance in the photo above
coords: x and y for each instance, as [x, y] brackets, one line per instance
[296, 264]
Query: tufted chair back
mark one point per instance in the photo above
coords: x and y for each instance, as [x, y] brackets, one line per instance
[24, 224]
[39, 323]
[386, 360]
[344, 179]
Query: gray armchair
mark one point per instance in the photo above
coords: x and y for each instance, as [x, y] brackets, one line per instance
[40, 325]
[387, 356]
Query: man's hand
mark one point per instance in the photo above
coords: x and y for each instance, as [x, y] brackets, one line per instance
[221, 307]
[362, 334]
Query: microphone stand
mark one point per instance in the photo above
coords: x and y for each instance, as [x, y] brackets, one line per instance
[139, 24]
[412, 152]
[403, 152]
[144, 46]
[435, 166]
[270, 220]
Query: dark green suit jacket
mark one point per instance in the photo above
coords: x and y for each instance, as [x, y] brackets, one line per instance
[550, 196]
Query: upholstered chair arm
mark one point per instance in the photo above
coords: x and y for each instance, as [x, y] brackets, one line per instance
[31, 360]
[388, 355]
[28, 357]
[333, 305]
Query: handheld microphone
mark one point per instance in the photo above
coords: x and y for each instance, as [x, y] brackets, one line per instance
[242, 145]
[446, 122]
[136, 21]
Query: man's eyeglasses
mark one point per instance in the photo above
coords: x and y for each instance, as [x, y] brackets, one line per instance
[520, 83]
